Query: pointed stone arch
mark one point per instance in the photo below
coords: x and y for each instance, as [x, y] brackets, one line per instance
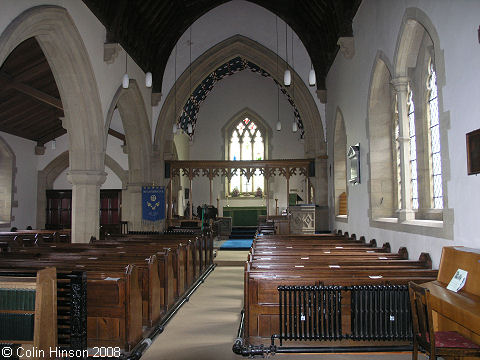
[67, 56]
[263, 57]
[54, 169]
[418, 43]
[131, 107]
[380, 129]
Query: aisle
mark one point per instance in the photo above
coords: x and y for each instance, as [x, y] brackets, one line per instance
[206, 326]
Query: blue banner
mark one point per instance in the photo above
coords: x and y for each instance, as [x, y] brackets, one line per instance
[153, 203]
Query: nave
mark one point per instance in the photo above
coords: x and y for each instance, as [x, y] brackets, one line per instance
[205, 327]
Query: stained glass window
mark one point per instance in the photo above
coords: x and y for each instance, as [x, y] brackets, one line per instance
[413, 148]
[434, 125]
[246, 143]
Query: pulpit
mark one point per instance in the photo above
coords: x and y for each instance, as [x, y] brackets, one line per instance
[302, 219]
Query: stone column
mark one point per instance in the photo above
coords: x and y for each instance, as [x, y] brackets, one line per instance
[85, 203]
[400, 85]
[132, 208]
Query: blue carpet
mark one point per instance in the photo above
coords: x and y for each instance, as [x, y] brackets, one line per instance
[237, 244]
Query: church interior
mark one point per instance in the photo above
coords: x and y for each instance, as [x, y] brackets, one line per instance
[284, 178]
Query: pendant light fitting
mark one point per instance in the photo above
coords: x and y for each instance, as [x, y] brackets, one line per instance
[125, 79]
[148, 79]
[312, 78]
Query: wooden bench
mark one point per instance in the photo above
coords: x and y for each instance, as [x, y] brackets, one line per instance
[114, 298]
[322, 261]
[31, 321]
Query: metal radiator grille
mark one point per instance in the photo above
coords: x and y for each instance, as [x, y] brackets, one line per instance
[315, 312]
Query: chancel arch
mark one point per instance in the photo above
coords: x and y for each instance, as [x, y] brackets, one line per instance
[245, 48]
[67, 56]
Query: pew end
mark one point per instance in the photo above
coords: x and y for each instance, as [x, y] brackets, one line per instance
[426, 259]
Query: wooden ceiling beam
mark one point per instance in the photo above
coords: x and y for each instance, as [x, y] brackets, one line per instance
[51, 134]
[8, 81]
[117, 134]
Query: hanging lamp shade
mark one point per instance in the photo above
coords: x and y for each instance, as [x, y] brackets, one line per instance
[189, 128]
[148, 79]
[279, 125]
[312, 78]
[287, 77]
[294, 126]
[125, 81]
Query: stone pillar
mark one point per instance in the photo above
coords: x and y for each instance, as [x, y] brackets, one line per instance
[400, 85]
[85, 203]
[133, 207]
[321, 181]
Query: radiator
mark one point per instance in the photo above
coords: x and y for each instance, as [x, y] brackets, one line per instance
[380, 312]
[315, 313]
[71, 308]
[310, 312]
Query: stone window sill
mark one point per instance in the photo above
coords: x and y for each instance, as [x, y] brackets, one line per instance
[435, 228]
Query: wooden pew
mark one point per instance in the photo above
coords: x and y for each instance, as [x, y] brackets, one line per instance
[321, 261]
[39, 303]
[157, 287]
[114, 300]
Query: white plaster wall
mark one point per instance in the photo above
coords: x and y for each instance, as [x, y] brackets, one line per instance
[24, 189]
[229, 19]
[231, 95]
[114, 145]
[376, 27]
[61, 145]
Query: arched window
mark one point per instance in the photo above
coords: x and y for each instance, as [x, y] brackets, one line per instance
[413, 148]
[434, 137]
[246, 142]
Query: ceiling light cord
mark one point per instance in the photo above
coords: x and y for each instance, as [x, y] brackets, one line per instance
[287, 76]
[190, 125]
[294, 124]
[175, 124]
